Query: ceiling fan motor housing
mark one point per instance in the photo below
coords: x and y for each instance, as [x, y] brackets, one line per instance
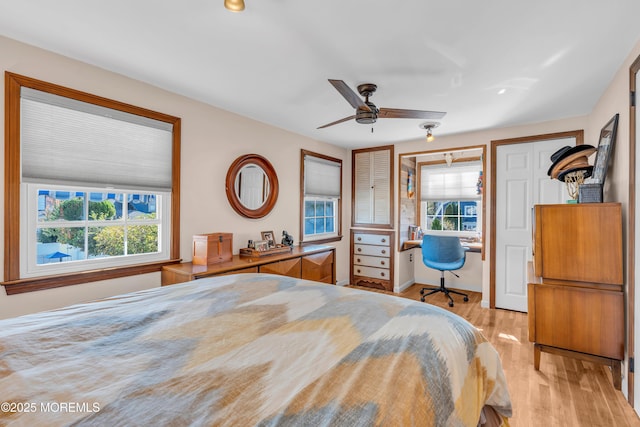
[367, 116]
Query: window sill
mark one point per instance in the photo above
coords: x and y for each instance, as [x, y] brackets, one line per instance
[13, 287]
[319, 241]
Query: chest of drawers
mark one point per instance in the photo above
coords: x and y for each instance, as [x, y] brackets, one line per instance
[372, 259]
[576, 284]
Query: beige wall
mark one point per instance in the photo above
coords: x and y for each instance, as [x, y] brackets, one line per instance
[211, 140]
[616, 100]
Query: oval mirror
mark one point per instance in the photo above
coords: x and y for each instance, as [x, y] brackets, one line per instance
[252, 186]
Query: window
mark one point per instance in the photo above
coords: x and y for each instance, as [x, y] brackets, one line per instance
[321, 198]
[451, 198]
[449, 215]
[95, 192]
[69, 229]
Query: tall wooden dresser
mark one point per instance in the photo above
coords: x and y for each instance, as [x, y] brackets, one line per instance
[575, 290]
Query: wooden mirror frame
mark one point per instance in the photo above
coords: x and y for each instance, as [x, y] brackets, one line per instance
[269, 171]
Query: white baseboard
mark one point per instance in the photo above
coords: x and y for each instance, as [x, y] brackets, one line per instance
[485, 304]
[342, 282]
[404, 286]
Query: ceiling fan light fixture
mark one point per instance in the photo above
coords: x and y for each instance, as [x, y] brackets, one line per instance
[234, 5]
[430, 136]
[429, 126]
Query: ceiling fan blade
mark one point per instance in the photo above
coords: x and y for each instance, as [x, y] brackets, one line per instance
[338, 121]
[349, 94]
[399, 113]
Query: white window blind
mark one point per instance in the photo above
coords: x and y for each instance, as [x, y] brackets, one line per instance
[321, 177]
[65, 141]
[457, 182]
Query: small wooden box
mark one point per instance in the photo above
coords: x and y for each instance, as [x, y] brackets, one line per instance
[212, 248]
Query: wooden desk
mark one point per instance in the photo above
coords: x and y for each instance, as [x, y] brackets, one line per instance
[307, 262]
[471, 246]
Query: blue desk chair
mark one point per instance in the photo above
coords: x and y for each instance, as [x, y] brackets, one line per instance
[444, 253]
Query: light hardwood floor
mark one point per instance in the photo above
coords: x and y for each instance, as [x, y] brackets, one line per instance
[565, 392]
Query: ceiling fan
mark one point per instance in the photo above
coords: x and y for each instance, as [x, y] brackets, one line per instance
[367, 112]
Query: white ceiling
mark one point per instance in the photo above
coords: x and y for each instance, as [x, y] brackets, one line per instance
[553, 58]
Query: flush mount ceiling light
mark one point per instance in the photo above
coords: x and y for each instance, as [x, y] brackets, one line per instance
[234, 5]
[429, 126]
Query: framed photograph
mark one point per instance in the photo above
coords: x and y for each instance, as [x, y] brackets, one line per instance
[269, 237]
[261, 245]
[605, 146]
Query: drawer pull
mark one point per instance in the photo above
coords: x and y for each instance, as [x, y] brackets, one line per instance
[358, 271]
[382, 262]
[383, 251]
[383, 240]
[359, 260]
[381, 274]
[359, 239]
[359, 249]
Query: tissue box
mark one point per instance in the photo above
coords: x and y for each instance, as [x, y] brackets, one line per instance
[212, 248]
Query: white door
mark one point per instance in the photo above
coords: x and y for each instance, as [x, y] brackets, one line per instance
[521, 182]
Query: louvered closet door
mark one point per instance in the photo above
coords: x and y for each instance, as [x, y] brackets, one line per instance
[381, 187]
[372, 187]
[362, 176]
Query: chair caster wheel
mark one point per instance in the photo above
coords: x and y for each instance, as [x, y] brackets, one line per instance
[422, 299]
[466, 299]
[450, 304]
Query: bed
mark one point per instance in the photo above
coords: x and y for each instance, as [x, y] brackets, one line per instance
[247, 350]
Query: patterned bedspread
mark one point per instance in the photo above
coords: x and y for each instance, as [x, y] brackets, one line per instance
[245, 350]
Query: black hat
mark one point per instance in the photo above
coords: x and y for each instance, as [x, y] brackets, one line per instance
[563, 153]
[560, 152]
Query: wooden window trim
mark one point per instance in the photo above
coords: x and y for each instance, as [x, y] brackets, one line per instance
[337, 238]
[13, 283]
[483, 158]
